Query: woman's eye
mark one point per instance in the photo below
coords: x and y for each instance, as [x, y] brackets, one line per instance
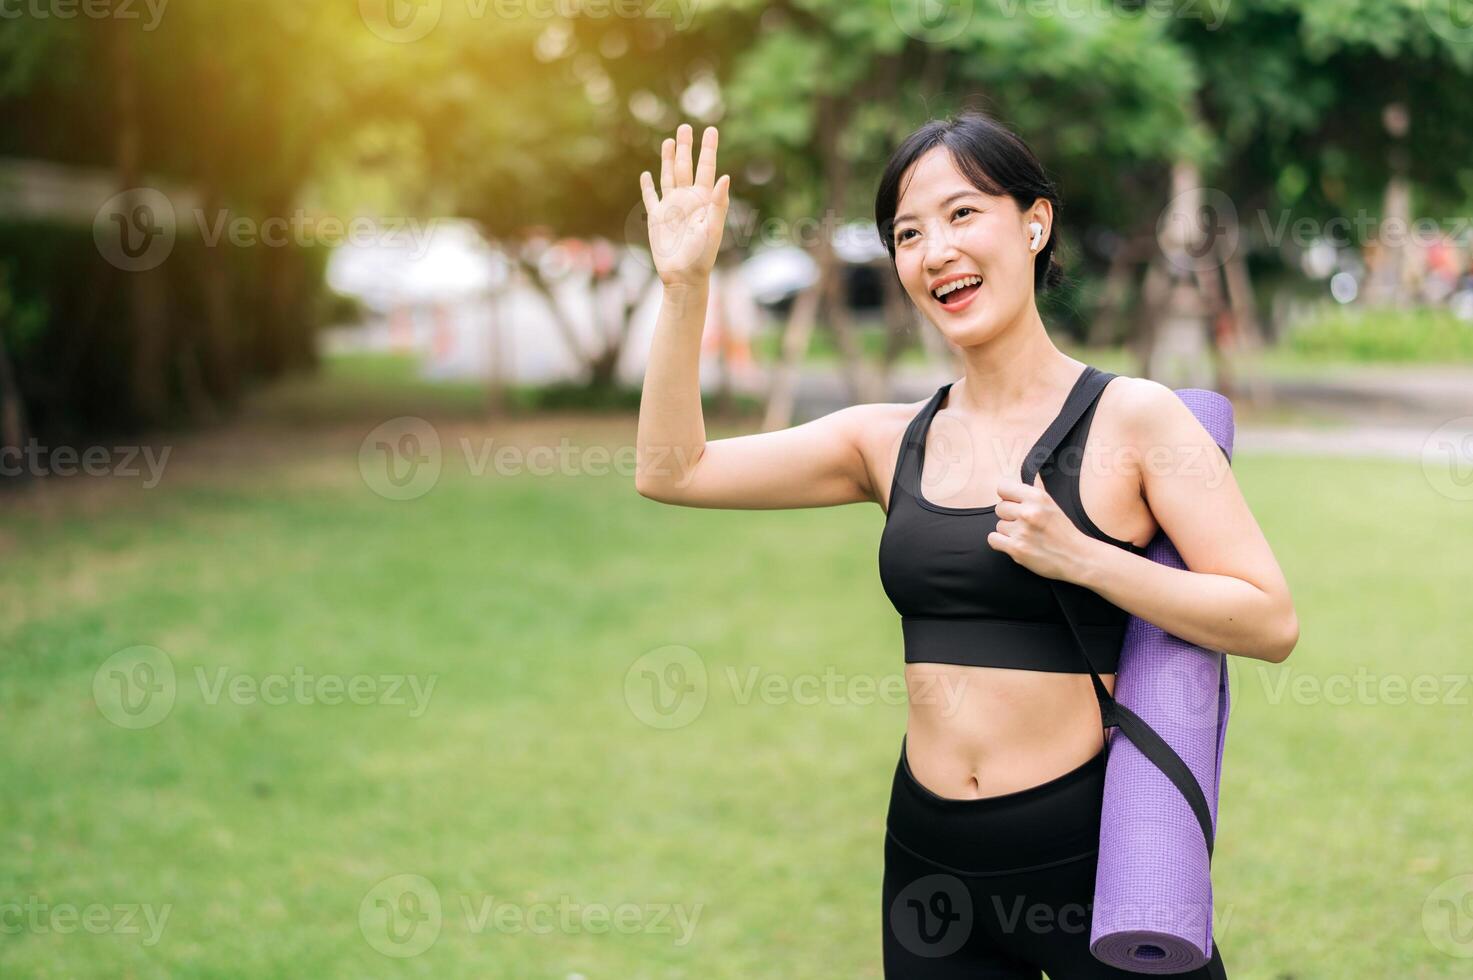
[960, 210]
[901, 237]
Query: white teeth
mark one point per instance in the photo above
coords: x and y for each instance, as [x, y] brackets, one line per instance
[956, 284]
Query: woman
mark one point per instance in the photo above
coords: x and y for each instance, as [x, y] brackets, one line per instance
[994, 816]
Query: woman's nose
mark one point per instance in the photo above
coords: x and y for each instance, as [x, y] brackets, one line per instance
[940, 249]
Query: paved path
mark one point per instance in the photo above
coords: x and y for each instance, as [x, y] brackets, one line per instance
[1378, 412]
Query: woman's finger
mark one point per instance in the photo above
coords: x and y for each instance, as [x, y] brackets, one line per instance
[647, 191]
[667, 166]
[682, 155]
[1011, 489]
[706, 167]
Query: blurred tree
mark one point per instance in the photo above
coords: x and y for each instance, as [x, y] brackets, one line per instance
[830, 86]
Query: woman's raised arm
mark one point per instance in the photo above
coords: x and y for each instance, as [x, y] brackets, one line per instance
[817, 464]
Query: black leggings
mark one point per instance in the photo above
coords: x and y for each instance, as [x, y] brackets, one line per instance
[999, 887]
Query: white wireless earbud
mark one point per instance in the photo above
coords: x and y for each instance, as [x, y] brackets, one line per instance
[1037, 230]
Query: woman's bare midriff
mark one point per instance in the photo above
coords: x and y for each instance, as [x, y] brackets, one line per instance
[974, 732]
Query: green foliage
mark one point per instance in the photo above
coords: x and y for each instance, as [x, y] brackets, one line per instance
[1373, 334]
[63, 302]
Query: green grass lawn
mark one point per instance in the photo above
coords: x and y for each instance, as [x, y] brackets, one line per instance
[532, 789]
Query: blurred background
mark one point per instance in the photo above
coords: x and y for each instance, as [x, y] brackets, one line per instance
[335, 638]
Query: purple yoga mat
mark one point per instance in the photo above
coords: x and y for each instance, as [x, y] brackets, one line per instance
[1153, 888]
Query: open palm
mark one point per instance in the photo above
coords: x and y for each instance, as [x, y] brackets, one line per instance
[687, 217]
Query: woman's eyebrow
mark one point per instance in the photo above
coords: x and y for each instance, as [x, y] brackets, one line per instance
[959, 194]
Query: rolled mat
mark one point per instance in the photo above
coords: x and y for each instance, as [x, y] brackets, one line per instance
[1153, 888]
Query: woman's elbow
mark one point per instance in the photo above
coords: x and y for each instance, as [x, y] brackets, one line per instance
[652, 489]
[1286, 639]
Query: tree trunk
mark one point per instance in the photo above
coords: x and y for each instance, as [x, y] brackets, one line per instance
[900, 323]
[1177, 352]
[148, 376]
[560, 320]
[12, 406]
[796, 335]
[219, 357]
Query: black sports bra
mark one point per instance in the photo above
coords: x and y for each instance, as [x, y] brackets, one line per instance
[963, 602]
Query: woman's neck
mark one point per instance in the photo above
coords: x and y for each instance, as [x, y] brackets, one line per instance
[1006, 374]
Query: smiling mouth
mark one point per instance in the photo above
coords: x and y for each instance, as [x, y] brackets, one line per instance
[958, 291]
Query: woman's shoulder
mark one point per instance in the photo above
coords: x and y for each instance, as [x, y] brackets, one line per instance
[1134, 402]
[1148, 416]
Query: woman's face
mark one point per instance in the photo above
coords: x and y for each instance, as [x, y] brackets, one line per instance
[949, 232]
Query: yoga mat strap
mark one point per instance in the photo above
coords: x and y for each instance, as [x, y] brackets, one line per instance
[1113, 714]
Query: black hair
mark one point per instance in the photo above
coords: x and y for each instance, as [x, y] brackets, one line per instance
[994, 159]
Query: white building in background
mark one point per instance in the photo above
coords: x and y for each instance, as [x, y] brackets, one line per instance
[458, 303]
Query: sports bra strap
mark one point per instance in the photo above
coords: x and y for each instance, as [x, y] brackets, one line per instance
[1090, 384]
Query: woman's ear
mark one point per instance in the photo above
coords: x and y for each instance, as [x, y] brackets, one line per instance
[1042, 212]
